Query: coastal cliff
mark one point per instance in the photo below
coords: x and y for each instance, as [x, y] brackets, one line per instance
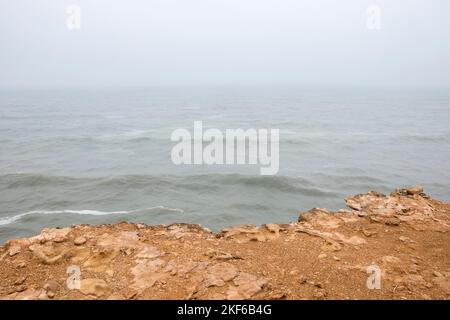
[405, 237]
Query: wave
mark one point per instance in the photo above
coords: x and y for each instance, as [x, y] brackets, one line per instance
[12, 219]
[126, 135]
[280, 183]
[160, 140]
[213, 182]
[438, 138]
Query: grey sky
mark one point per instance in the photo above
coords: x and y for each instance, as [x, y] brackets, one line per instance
[158, 42]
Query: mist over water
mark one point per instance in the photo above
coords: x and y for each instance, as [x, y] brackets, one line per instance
[103, 155]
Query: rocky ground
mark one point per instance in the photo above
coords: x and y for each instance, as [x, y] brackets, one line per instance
[325, 255]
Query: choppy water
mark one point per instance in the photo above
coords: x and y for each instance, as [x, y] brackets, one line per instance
[103, 155]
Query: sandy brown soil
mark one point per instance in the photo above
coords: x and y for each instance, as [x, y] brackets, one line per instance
[325, 255]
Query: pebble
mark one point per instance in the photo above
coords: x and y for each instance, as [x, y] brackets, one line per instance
[59, 239]
[51, 286]
[302, 280]
[415, 190]
[368, 233]
[79, 241]
[437, 274]
[21, 280]
[403, 239]
[320, 295]
[14, 250]
[21, 288]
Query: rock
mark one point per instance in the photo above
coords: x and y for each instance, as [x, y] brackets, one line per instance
[79, 241]
[220, 255]
[247, 285]
[234, 294]
[415, 190]
[437, 274]
[277, 295]
[258, 237]
[94, 287]
[192, 291]
[322, 256]
[21, 280]
[332, 245]
[131, 294]
[443, 282]
[391, 221]
[353, 240]
[320, 217]
[212, 280]
[368, 232]
[170, 266]
[390, 260]
[303, 279]
[318, 285]
[50, 294]
[127, 251]
[59, 239]
[149, 252]
[101, 262]
[404, 239]
[293, 272]
[177, 231]
[28, 294]
[13, 250]
[273, 231]
[51, 285]
[414, 281]
[120, 240]
[274, 228]
[187, 267]
[47, 254]
[320, 294]
[330, 237]
[50, 234]
[146, 273]
[21, 288]
[223, 270]
[242, 233]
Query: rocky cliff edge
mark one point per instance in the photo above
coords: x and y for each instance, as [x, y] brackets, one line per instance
[383, 247]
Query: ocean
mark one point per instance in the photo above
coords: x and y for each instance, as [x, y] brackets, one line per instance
[103, 155]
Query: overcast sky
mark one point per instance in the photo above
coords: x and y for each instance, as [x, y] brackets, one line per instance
[240, 42]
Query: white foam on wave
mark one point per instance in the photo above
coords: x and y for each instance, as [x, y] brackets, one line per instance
[12, 219]
[126, 135]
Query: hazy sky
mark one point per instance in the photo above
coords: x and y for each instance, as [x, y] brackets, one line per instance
[159, 42]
